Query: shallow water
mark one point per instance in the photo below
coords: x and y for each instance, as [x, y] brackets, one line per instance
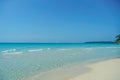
[24, 59]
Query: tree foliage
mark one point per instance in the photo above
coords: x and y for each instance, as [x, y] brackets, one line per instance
[117, 39]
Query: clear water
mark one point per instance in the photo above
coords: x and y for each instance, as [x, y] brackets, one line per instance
[19, 60]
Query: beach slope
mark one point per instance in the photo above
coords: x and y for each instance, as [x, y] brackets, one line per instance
[106, 70]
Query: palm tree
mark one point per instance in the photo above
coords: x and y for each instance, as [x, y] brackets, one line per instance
[117, 39]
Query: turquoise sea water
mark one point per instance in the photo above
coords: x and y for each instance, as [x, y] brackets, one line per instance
[18, 60]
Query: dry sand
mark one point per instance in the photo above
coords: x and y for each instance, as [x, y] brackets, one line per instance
[107, 70]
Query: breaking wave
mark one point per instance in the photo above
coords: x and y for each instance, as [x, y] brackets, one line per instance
[35, 50]
[11, 51]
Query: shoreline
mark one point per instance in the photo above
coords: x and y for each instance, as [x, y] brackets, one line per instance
[103, 70]
[62, 73]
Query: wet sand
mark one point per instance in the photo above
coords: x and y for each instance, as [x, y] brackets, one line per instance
[104, 70]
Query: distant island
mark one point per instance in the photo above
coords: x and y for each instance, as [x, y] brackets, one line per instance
[103, 42]
[117, 41]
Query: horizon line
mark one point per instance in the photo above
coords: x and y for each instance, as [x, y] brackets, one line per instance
[60, 42]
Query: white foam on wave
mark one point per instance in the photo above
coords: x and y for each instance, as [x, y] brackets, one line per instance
[89, 49]
[105, 47]
[35, 50]
[112, 47]
[48, 48]
[12, 53]
[63, 49]
[98, 48]
[10, 50]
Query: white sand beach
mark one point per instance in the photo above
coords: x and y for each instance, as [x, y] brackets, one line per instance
[104, 70]
[107, 70]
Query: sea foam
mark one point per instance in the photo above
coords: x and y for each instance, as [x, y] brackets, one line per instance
[10, 50]
[35, 50]
[9, 53]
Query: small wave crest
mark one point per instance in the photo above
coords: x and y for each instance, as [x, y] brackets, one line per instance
[112, 47]
[10, 50]
[89, 49]
[63, 49]
[48, 48]
[35, 50]
[13, 53]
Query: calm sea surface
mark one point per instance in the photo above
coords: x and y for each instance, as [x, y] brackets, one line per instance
[18, 60]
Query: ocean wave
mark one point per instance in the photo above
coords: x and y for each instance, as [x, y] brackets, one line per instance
[35, 50]
[107, 47]
[48, 48]
[9, 53]
[112, 47]
[90, 48]
[63, 49]
[10, 50]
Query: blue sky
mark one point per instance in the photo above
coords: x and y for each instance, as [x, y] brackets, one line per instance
[59, 20]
